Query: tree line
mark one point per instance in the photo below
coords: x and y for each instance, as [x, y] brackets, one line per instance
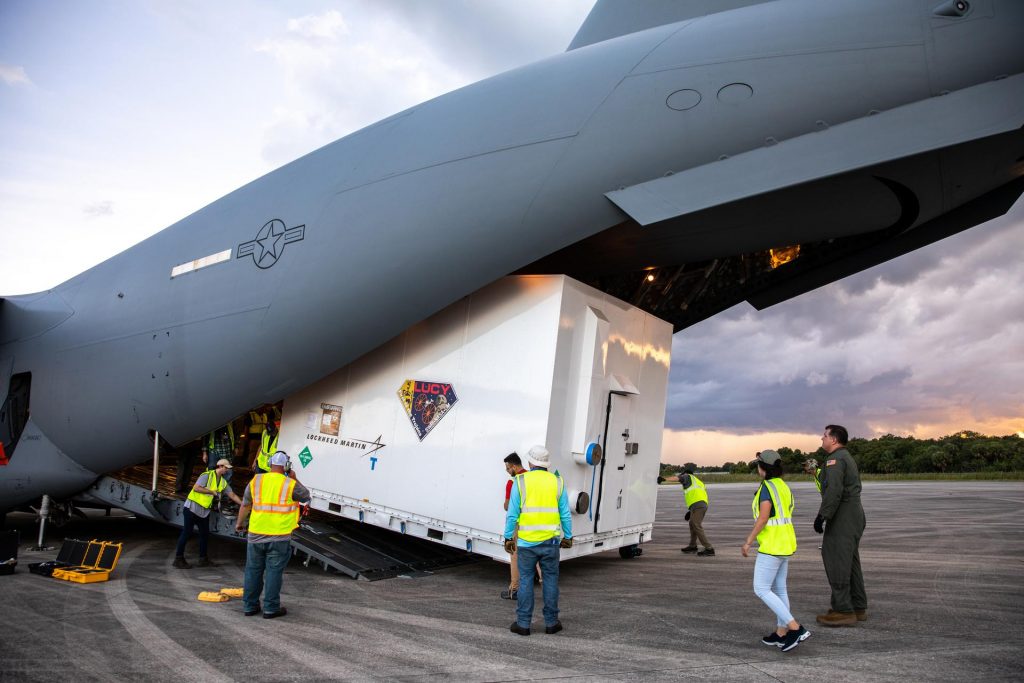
[964, 451]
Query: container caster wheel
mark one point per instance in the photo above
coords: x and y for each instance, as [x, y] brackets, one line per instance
[630, 551]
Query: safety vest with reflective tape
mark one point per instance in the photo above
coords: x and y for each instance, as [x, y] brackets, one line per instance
[274, 513]
[214, 483]
[231, 437]
[539, 493]
[778, 536]
[817, 478]
[695, 492]
[267, 449]
[257, 422]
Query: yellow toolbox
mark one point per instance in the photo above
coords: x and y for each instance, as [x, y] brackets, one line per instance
[90, 555]
[99, 560]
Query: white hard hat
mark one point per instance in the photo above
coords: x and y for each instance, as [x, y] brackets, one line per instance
[539, 456]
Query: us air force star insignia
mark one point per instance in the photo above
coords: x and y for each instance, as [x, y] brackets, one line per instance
[270, 241]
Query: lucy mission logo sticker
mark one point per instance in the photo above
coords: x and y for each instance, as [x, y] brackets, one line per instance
[426, 403]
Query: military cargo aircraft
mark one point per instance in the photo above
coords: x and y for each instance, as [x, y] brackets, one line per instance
[682, 156]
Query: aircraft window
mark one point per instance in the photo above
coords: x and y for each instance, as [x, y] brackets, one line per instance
[14, 413]
[200, 263]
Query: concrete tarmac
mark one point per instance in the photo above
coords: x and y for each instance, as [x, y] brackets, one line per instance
[942, 562]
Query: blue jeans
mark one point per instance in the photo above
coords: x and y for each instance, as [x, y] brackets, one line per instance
[264, 567]
[528, 556]
[770, 573]
[190, 520]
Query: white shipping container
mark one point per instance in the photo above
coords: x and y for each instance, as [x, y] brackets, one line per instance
[412, 436]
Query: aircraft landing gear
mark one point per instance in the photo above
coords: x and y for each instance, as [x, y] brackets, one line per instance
[44, 513]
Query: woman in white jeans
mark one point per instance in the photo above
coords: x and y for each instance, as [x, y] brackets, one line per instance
[773, 529]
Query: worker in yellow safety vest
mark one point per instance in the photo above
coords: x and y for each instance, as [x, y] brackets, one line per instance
[773, 507]
[257, 425]
[271, 508]
[696, 507]
[220, 444]
[539, 505]
[198, 509]
[268, 446]
[257, 422]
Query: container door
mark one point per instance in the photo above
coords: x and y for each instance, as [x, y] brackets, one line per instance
[611, 504]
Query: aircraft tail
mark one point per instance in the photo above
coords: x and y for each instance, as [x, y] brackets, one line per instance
[613, 18]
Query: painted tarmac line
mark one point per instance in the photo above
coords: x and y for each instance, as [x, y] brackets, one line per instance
[184, 663]
[264, 635]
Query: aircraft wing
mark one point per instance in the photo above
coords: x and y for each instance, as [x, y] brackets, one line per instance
[965, 115]
[961, 218]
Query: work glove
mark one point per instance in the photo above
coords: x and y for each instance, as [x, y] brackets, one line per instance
[687, 517]
[510, 546]
[819, 524]
[566, 543]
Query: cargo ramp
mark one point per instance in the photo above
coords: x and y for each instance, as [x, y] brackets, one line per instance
[349, 547]
[371, 553]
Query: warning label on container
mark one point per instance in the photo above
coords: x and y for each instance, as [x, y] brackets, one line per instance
[330, 419]
[426, 403]
[305, 457]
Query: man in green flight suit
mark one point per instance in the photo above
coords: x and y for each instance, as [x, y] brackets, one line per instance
[841, 518]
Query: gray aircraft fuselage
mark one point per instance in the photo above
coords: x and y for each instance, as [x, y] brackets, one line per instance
[340, 250]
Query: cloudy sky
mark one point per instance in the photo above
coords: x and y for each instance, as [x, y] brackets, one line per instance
[119, 117]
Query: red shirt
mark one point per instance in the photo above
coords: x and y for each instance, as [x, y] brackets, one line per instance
[508, 487]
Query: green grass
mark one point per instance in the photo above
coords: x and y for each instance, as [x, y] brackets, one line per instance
[710, 478]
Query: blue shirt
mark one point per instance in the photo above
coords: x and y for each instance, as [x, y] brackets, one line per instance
[514, 506]
[764, 495]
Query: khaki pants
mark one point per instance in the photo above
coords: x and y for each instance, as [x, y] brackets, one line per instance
[697, 528]
[513, 584]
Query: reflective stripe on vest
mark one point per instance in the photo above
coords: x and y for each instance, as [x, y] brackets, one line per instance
[206, 499]
[696, 491]
[267, 449]
[539, 493]
[778, 536]
[817, 478]
[274, 513]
